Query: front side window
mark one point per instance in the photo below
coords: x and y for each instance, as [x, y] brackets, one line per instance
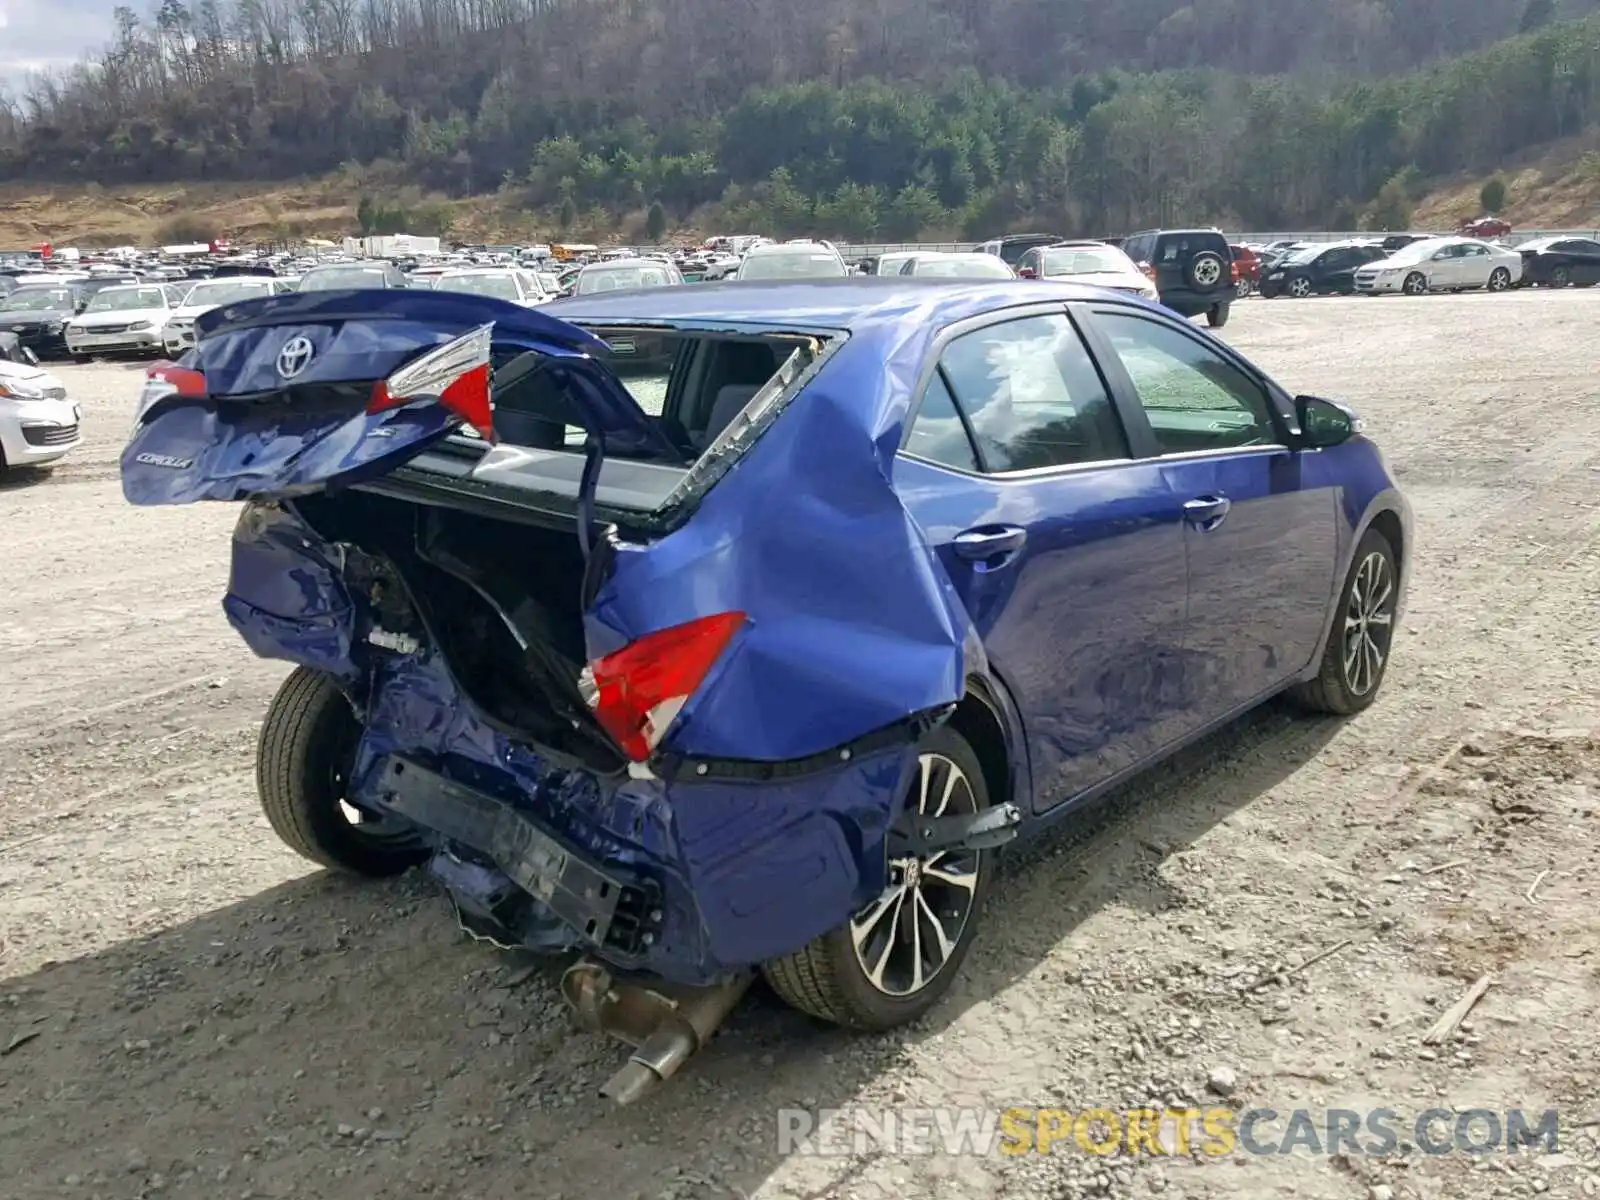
[1032, 395]
[1194, 397]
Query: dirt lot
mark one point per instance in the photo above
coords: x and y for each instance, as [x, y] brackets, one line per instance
[187, 1010]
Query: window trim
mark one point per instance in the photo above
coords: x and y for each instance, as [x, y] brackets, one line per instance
[1004, 316]
[1141, 435]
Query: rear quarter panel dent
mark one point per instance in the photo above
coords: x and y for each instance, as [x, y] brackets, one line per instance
[852, 623]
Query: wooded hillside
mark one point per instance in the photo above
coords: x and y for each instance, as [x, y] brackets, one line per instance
[862, 118]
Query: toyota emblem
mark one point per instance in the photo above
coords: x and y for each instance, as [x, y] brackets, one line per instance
[295, 356]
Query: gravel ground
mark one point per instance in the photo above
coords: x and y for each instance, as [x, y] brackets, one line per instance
[187, 1010]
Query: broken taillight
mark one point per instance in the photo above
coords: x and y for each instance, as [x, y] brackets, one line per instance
[165, 379]
[637, 691]
[455, 374]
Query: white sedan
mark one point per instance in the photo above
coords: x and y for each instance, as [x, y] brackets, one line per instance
[503, 283]
[1098, 264]
[129, 317]
[177, 335]
[38, 423]
[957, 266]
[1445, 264]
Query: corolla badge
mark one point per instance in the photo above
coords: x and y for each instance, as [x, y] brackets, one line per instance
[295, 356]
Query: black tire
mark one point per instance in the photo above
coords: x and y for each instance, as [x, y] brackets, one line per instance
[1241, 289]
[1561, 277]
[1206, 271]
[1299, 288]
[1336, 689]
[828, 977]
[1217, 317]
[307, 747]
[1499, 279]
[1416, 284]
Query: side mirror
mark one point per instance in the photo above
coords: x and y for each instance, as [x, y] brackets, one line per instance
[1325, 423]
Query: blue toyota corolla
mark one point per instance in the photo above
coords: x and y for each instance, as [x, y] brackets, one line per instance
[732, 628]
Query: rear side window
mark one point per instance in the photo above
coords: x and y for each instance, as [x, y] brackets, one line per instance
[938, 434]
[1032, 396]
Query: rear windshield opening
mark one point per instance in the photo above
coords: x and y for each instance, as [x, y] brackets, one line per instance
[693, 384]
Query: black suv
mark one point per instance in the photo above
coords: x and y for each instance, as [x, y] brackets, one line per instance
[1193, 269]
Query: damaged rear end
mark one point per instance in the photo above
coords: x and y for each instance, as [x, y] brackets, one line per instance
[626, 684]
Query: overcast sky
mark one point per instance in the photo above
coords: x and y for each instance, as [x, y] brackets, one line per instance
[41, 34]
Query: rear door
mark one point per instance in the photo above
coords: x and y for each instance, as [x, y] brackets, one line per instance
[1067, 553]
[301, 392]
[1260, 532]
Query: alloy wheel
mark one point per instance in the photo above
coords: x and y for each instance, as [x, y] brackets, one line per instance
[1368, 623]
[1499, 279]
[1300, 288]
[1560, 277]
[904, 938]
[1415, 285]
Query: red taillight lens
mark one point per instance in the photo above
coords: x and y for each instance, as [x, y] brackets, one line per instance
[638, 691]
[456, 375]
[169, 379]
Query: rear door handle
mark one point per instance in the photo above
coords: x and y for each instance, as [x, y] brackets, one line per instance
[989, 544]
[1206, 512]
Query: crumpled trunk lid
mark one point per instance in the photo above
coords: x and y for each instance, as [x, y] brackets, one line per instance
[292, 394]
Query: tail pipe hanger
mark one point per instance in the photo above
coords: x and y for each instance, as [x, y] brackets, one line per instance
[922, 836]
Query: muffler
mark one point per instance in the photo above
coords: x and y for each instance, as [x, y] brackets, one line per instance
[664, 1023]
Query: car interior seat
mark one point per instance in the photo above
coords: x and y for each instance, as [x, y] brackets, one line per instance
[740, 371]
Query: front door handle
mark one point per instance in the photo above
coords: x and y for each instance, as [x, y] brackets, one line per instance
[1207, 512]
[990, 545]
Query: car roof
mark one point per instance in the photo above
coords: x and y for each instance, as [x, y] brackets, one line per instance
[774, 249]
[850, 303]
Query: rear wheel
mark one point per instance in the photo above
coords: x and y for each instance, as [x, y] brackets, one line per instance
[1217, 317]
[893, 960]
[1357, 654]
[1416, 284]
[303, 761]
[1241, 288]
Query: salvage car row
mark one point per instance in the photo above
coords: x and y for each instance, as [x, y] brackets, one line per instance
[1413, 266]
